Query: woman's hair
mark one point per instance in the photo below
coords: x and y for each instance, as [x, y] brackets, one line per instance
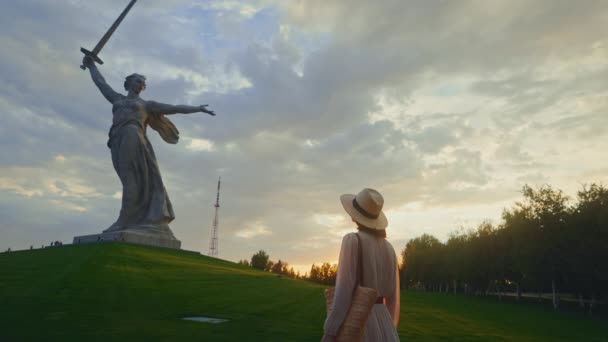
[131, 78]
[375, 232]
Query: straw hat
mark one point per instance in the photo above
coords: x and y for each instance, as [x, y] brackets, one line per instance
[366, 208]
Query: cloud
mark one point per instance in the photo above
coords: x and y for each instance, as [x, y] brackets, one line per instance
[257, 229]
[330, 220]
[244, 9]
[200, 145]
[20, 189]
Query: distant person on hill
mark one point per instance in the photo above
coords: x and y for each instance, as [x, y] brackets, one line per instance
[379, 265]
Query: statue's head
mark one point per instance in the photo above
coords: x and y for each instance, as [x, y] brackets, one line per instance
[135, 83]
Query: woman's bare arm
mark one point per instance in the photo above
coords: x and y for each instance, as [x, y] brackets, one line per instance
[100, 82]
[393, 303]
[346, 280]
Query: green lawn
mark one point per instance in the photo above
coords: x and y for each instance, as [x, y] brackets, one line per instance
[131, 293]
[441, 317]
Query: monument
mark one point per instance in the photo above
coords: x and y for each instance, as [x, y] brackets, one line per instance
[146, 210]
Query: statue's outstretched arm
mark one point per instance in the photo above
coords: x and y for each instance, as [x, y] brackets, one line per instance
[163, 108]
[100, 82]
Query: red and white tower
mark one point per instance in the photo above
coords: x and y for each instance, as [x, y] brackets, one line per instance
[213, 244]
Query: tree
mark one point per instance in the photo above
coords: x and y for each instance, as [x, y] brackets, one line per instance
[549, 211]
[277, 268]
[588, 256]
[324, 274]
[269, 266]
[455, 262]
[419, 259]
[314, 273]
[259, 260]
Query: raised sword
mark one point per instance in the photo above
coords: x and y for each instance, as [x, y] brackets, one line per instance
[106, 36]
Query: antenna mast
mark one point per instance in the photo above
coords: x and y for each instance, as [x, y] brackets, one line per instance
[213, 244]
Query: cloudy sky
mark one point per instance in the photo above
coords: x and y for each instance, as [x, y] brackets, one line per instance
[446, 107]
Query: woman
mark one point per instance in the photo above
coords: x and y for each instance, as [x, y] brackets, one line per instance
[145, 203]
[380, 270]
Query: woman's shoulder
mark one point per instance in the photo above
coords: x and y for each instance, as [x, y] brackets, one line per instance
[349, 236]
[350, 239]
[389, 246]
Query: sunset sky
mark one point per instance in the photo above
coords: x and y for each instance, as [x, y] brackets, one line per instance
[446, 107]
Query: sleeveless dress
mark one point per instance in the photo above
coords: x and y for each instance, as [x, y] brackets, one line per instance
[380, 271]
[145, 203]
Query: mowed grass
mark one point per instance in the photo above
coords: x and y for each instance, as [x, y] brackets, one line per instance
[130, 293]
[446, 317]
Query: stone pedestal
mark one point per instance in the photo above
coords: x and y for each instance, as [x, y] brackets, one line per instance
[131, 236]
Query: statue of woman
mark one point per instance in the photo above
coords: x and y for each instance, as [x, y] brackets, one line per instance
[145, 204]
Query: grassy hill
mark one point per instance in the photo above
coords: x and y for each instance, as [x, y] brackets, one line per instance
[132, 293]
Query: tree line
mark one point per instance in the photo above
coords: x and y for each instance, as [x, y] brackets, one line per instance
[261, 260]
[544, 243]
[323, 274]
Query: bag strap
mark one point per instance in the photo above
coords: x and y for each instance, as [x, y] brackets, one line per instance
[359, 261]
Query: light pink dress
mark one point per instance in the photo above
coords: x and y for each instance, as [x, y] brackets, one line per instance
[380, 271]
